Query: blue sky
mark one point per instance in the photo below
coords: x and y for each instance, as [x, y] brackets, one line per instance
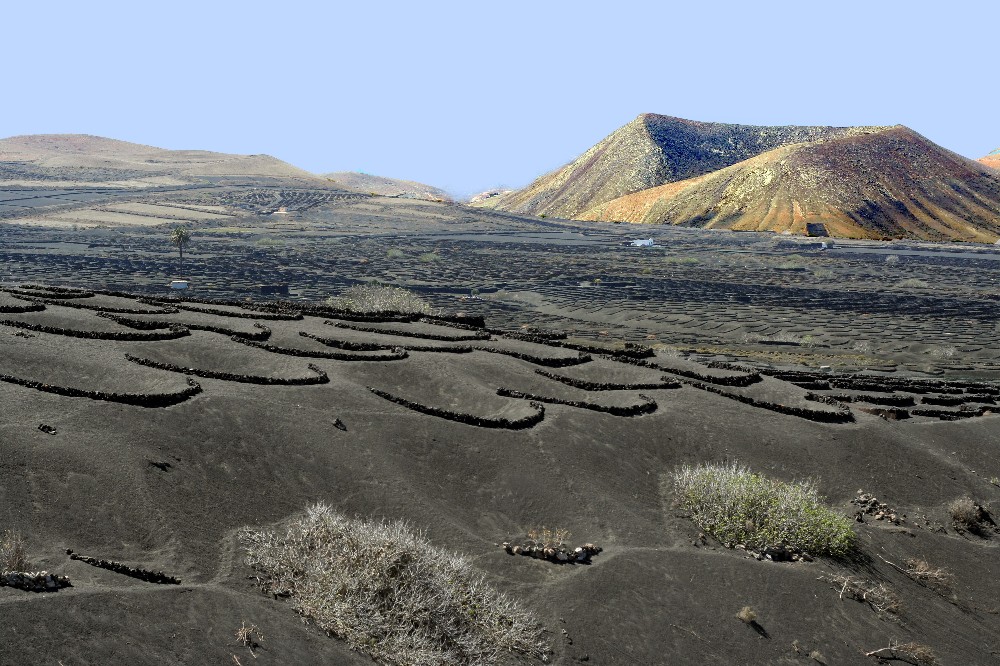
[468, 96]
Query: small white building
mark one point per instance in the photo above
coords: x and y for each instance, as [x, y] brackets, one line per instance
[178, 284]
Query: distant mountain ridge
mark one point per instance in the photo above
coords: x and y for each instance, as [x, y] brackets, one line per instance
[874, 184]
[83, 157]
[650, 151]
[390, 187]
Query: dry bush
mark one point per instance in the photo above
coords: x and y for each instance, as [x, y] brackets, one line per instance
[738, 506]
[968, 515]
[933, 577]
[547, 538]
[389, 592]
[249, 636]
[747, 615]
[914, 653]
[878, 596]
[379, 298]
[12, 554]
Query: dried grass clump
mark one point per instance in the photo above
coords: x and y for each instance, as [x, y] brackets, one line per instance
[878, 596]
[389, 592]
[747, 615]
[969, 515]
[738, 506]
[926, 574]
[380, 298]
[913, 653]
[13, 557]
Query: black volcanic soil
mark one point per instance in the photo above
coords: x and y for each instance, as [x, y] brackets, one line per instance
[165, 489]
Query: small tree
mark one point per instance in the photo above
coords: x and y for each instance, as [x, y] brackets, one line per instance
[180, 236]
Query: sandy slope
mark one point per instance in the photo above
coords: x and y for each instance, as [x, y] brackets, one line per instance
[165, 489]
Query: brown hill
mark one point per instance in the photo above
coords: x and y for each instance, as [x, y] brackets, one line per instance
[871, 184]
[69, 158]
[650, 151]
[992, 160]
[388, 187]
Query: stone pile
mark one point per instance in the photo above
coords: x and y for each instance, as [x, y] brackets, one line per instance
[34, 581]
[558, 553]
[870, 506]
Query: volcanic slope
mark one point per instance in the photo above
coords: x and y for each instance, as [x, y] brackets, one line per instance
[387, 187]
[875, 184]
[649, 151]
[134, 442]
[60, 159]
[992, 160]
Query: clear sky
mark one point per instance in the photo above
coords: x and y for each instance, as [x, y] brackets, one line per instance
[471, 95]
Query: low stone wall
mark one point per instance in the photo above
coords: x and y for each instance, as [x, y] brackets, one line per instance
[550, 362]
[396, 354]
[410, 334]
[945, 415]
[470, 419]
[263, 332]
[108, 309]
[319, 377]
[124, 569]
[137, 399]
[735, 381]
[33, 306]
[347, 345]
[647, 406]
[608, 386]
[875, 399]
[265, 316]
[842, 415]
[124, 336]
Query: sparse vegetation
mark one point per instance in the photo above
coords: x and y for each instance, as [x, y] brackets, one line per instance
[379, 298]
[12, 553]
[249, 636]
[747, 615]
[546, 537]
[968, 515]
[429, 257]
[394, 253]
[878, 596]
[738, 506]
[914, 653]
[389, 592]
[933, 577]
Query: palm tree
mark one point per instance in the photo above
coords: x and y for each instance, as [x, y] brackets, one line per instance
[180, 236]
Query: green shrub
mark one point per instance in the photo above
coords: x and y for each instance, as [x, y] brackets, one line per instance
[738, 506]
[430, 257]
[389, 592]
[379, 298]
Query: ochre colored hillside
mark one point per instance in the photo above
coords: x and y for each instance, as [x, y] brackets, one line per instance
[389, 187]
[869, 184]
[992, 160]
[54, 157]
[649, 151]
